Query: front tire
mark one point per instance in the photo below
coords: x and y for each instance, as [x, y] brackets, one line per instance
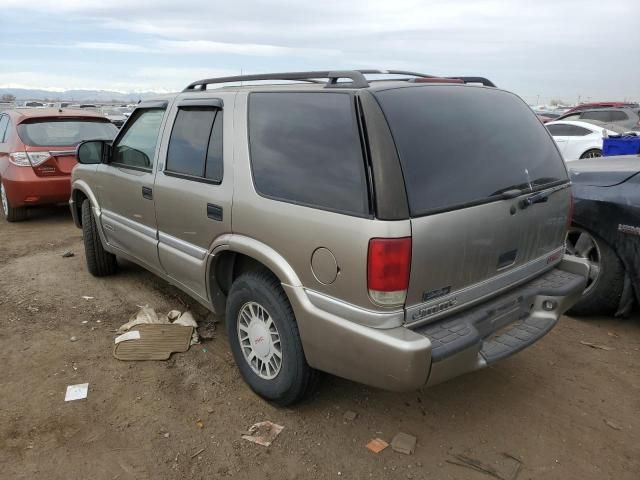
[100, 263]
[11, 214]
[265, 341]
[606, 273]
[593, 153]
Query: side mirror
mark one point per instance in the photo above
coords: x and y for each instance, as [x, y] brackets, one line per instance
[92, 152]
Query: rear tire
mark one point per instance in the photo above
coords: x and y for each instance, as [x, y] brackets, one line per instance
[257, 299]
[593, 153]
[99, 262]
[11, 214]
[603, 291]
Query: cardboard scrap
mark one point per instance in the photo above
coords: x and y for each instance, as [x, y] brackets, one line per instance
[263, 433]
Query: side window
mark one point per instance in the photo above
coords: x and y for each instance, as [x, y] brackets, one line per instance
[575, 131]
[305, 149]
[556, 130]
[617, 115]
[137, 146]
[600, 115]
[4, 122]
[195, 145]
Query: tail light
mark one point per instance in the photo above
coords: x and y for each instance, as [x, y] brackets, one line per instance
[388, 268]
[570, 214]
[29, 159]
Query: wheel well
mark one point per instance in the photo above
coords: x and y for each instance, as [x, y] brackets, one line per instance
[228, 267]
[78, 198]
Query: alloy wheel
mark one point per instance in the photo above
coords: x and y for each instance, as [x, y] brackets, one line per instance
[581, 244]
[593, 154]
[259, 340]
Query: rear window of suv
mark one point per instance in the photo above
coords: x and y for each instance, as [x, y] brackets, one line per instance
[63, 132]
[461, 146]
[305, 149]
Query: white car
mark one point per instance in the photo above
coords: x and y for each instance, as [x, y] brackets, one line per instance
[580, 139]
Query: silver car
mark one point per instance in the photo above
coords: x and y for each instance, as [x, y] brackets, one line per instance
[393, 232]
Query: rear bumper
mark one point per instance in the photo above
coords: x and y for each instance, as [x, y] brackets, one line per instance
[403, 359]
[25, 188]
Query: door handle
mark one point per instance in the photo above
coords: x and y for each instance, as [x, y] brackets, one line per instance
[214, 212]
[147, 193]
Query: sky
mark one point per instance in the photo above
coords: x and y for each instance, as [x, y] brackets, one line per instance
[540, 49]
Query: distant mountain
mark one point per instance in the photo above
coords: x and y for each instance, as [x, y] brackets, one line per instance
[75, 95]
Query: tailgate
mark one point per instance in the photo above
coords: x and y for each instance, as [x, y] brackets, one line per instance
[65, 160]
[464, 256]
[470, 157]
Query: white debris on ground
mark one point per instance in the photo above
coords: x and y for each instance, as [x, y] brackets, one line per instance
[147, 315]
[76, 392]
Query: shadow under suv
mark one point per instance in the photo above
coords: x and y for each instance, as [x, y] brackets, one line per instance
[389, 232]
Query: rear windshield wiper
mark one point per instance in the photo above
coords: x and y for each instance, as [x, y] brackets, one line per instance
[541, 196]
[516, 190]
[512, 191]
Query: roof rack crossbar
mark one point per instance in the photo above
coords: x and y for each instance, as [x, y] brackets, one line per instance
[484, 81]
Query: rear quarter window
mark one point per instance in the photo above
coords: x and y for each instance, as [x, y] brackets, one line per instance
[305, 149]
[601, 116]
[462, 145]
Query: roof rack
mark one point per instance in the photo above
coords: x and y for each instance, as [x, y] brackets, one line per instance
[484, 81]
[356, 77]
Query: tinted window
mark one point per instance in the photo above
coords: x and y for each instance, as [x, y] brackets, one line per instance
[561, 130]
[137, 146]
[617, 116]
[557, 130]
[213, 169]
[600, 115]
[195, 146]
[575, 131]
[462, 145]
[63, 132]
[4, 121]
[305, 148]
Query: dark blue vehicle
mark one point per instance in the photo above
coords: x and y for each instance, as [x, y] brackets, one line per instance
[606, 232]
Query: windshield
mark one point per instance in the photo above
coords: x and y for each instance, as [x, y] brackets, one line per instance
[464, 145]
[64, 132]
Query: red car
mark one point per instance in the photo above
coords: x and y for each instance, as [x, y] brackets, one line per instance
[594, 105]
[38, 152]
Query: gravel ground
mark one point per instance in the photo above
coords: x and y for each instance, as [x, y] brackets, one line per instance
[565, 410]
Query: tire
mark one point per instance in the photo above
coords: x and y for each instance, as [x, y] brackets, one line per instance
[602, 294]
[294, 379]
[592, 153]
[11, 214]
[100, 263]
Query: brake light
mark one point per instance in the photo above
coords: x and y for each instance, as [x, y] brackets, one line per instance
[570, 214]
[388, 268]
[29, 159]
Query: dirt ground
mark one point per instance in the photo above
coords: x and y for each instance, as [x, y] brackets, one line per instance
[566, 410]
